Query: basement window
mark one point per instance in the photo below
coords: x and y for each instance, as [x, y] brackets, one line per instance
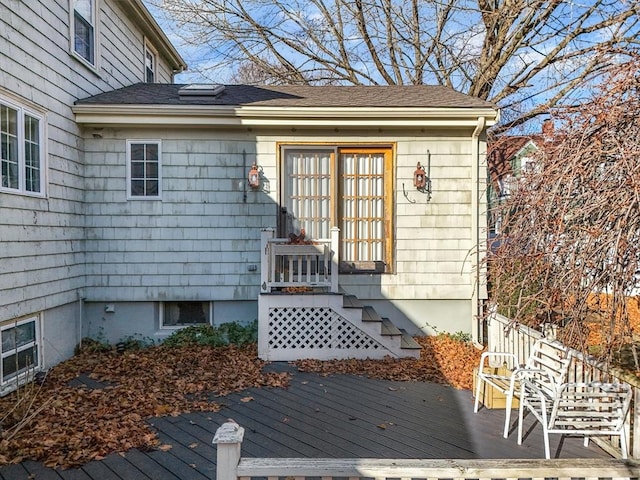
[20, 349]
[183, 314]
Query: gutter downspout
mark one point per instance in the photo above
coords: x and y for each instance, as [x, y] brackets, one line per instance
[476, 305]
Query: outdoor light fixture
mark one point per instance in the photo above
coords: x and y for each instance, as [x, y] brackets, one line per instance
[419, 177]
[422, 178]
[254, 177]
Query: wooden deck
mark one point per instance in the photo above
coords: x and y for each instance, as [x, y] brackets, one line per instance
[338, 416]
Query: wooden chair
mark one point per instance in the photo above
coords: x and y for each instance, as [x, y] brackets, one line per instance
[548, 362]
[582, 409]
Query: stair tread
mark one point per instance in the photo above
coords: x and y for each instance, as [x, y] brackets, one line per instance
[351, 301]
[388, 328]
[407, 341]
[369, 314]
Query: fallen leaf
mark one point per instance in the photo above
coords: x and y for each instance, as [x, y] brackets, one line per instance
[193, 445]
[246, 399]
[164, 447]
[382, 426]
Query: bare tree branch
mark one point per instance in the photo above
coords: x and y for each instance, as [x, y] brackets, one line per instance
[517, 53]
[570, 243]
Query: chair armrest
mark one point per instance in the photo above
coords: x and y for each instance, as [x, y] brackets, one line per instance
[503, 355]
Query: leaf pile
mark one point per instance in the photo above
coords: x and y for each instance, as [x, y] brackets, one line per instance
[442, 360]
[65, 423]
[97, 402]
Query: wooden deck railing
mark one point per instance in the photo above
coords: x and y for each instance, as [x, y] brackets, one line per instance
[503, 336]
[231, 466]
[286, 265]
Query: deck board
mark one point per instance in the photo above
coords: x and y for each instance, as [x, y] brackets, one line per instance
[13, 472]
[97, 471]
[123, 469]
[336, 416]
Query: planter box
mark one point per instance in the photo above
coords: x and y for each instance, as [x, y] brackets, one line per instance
[489, 396]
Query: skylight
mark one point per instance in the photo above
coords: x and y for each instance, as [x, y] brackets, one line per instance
[201, 90]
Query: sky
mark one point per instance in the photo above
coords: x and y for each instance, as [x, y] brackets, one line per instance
[192, 55]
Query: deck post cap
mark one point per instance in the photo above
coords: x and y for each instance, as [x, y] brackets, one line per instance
[229, 432]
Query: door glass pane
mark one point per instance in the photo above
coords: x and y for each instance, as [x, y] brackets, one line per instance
[362, 221]
[307, 196]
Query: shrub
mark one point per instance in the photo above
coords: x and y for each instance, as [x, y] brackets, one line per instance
[225, 334]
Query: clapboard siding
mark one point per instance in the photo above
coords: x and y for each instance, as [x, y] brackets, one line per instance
[42, 259]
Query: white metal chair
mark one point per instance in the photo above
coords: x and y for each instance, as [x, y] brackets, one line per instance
[582, 409]
[547, 361]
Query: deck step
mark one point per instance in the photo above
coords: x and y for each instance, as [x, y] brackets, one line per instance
[351, 301]
[369, 314]
[407, 341]
[388, 328]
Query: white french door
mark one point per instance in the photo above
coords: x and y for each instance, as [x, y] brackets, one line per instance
[348, 187]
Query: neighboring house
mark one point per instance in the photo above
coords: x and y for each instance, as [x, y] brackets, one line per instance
[506, 161]
[136, 216]
[51, 54]
[508, 158]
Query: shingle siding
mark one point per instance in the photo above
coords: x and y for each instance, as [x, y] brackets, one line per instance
[197, 242]
[42, 240]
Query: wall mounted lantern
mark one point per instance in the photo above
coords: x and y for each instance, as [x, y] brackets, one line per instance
[422, 177]
[254, 177]
[419, 177]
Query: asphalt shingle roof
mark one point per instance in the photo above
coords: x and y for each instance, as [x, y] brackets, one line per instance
[421, 96]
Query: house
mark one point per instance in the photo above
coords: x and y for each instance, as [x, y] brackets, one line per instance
[362, 199]
[173, 228]
[51, 54]
[508, 158]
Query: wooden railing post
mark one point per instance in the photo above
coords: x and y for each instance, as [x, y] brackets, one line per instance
[266, 234]
[335, 263]
[228, 439]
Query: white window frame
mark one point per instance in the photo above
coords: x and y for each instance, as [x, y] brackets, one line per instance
[130, 178]
[149, 51]
[26, 373]
[22, 112]
[178, 327]
[91, 62]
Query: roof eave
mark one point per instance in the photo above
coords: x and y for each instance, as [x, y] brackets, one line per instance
[279, 116]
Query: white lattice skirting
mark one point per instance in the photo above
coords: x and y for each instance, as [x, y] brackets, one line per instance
[293, 332]
[293, 328]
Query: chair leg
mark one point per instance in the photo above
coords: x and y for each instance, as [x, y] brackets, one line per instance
[545, 428]
[507, 414]
[624, 447]
[545, 432]
[477, 401]
[520, 420]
